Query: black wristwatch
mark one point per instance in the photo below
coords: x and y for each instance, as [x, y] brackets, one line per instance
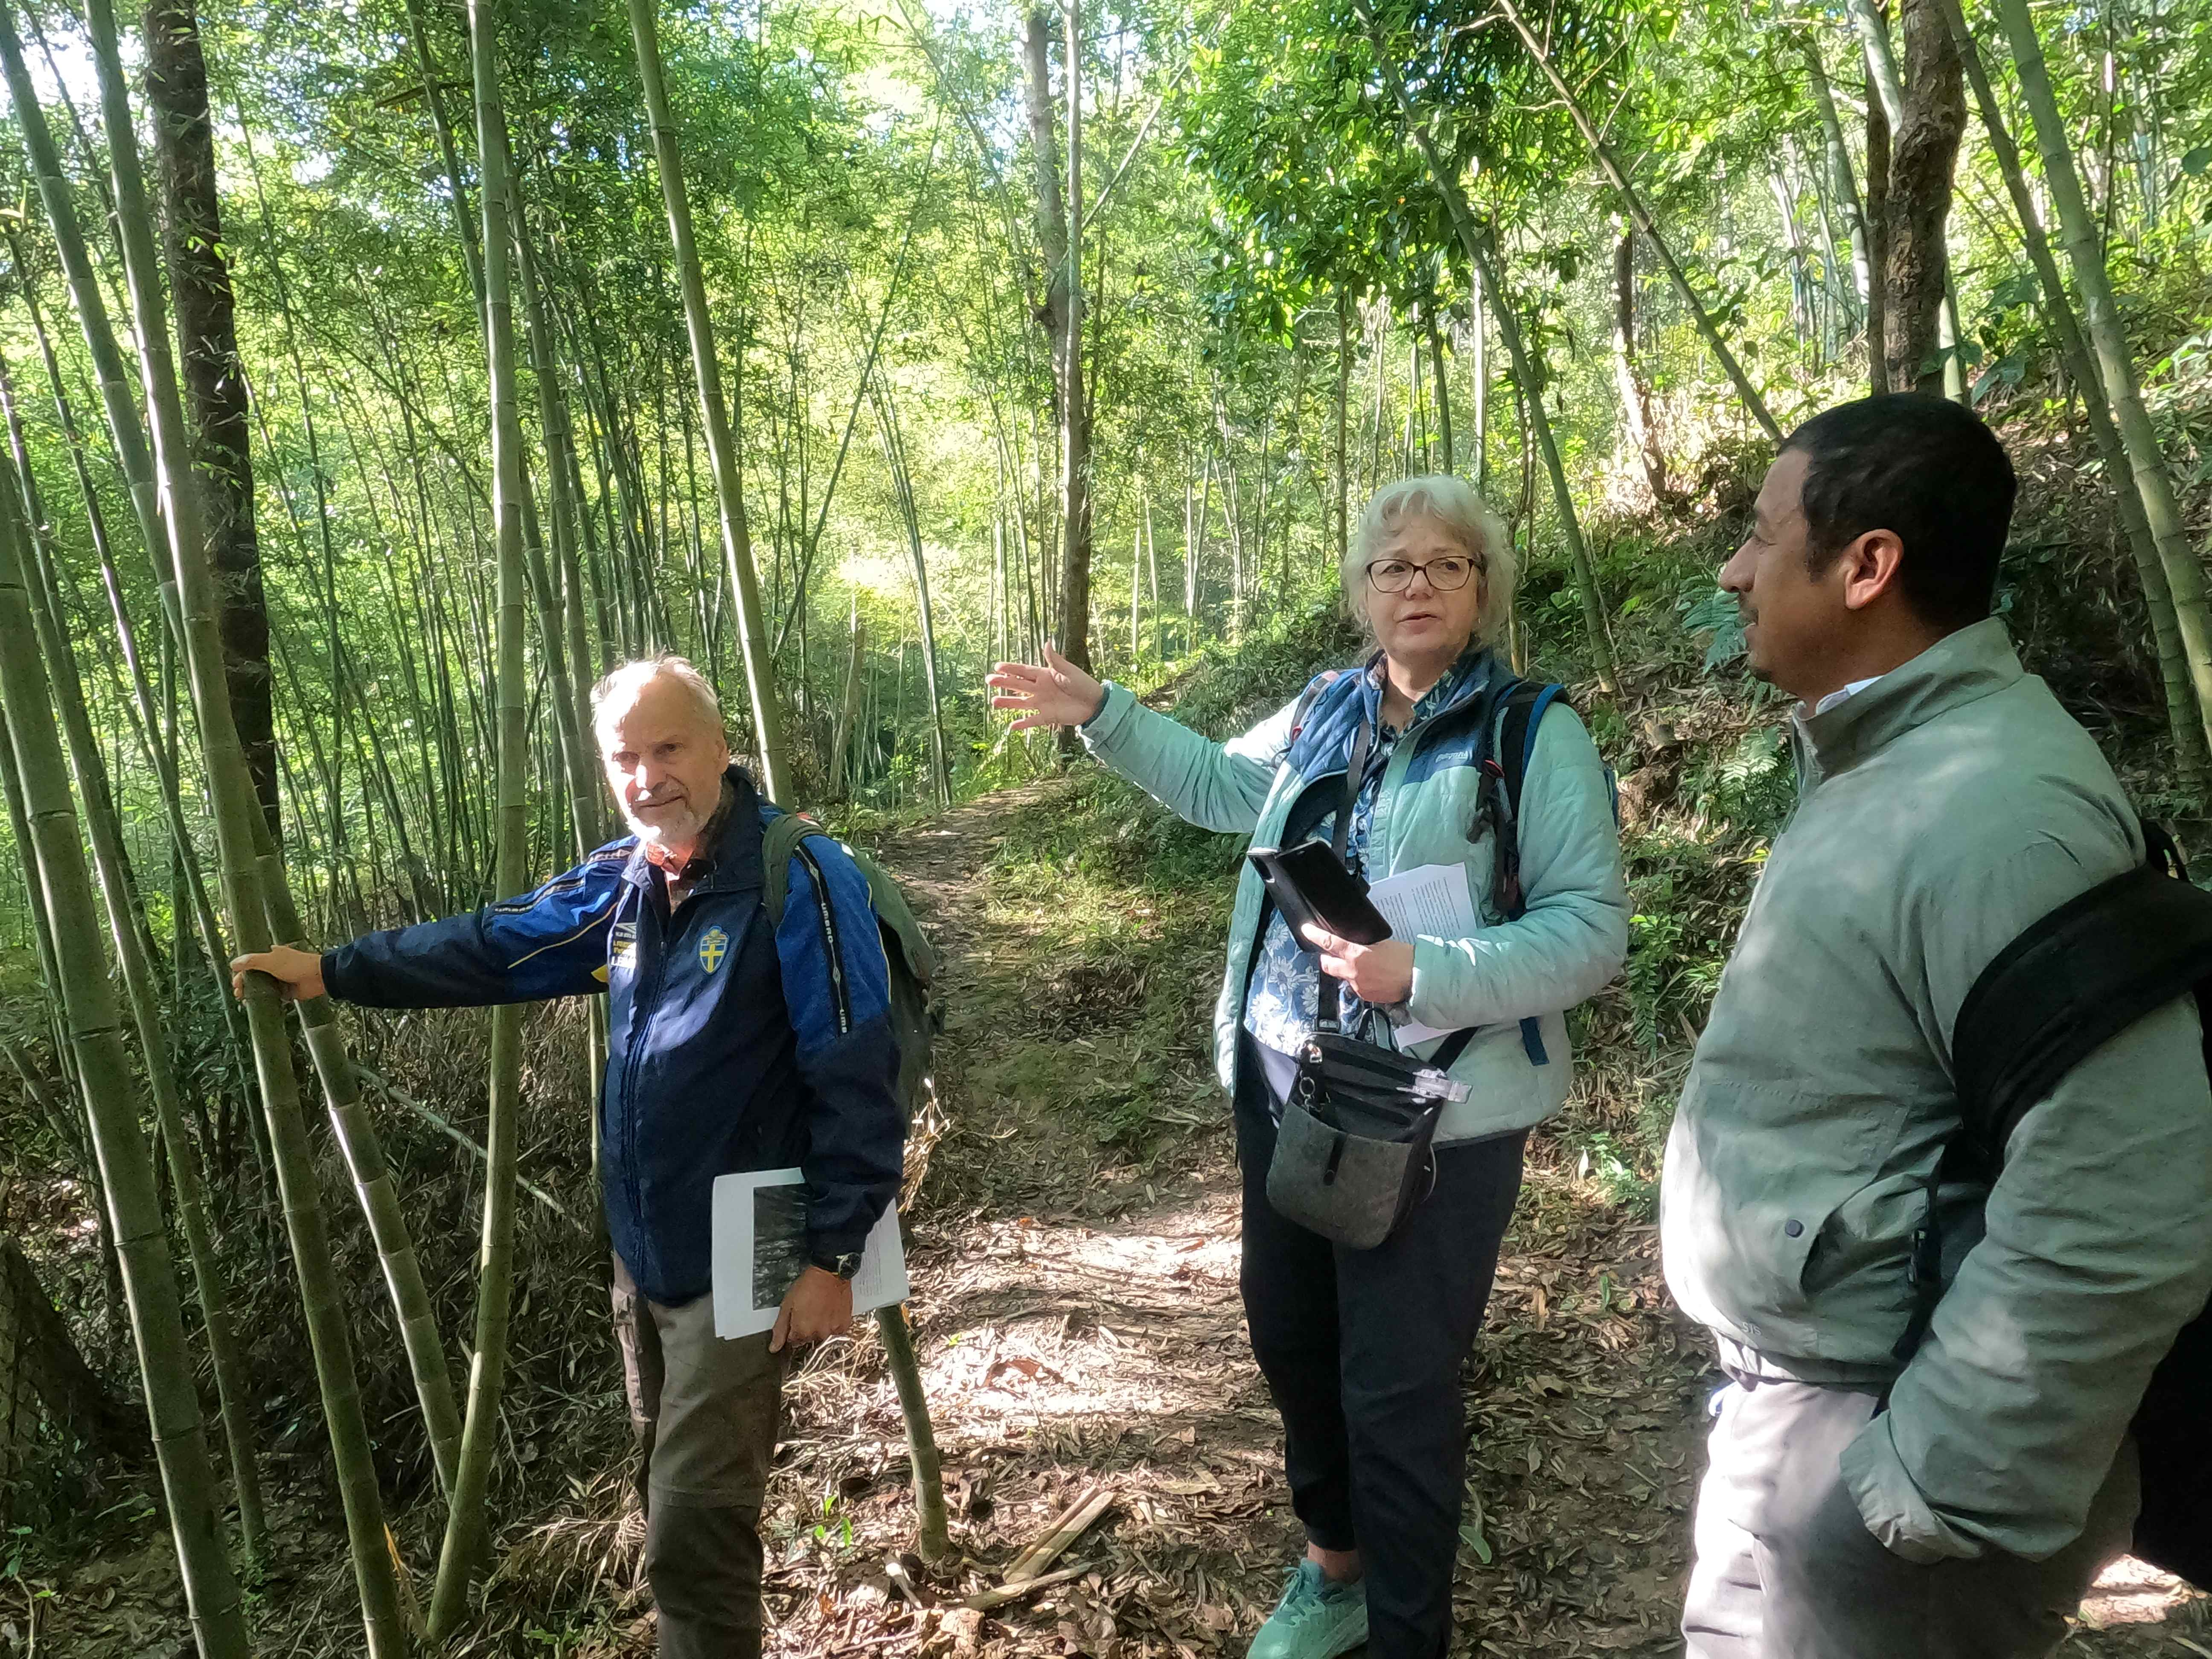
[844, 1266]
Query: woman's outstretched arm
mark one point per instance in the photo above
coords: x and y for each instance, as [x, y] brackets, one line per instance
[1216, 786]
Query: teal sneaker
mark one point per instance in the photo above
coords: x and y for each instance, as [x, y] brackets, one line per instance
[1316, 1619]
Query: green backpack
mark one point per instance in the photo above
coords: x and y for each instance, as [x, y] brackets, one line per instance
[917, 1014]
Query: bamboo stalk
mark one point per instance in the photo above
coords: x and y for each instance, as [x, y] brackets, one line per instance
[2183, 721]
[2184, 575]
[157, 1321]
[1707, 329]
[931, 1528]
[131, 453]
[721, 443]
[355, 1130]
[133, 956]
[1482, 249]
[237, 808]
[464, 1521]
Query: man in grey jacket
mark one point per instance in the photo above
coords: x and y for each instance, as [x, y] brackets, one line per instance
[1960, 1502]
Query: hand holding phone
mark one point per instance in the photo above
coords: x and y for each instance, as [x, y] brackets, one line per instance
[1308, 883]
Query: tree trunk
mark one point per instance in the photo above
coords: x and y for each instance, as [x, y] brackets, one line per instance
[237, 810]
[722, 442]
[1482, 253]
[1877, 217]
[126, 1165]
[903, 489]
[1923, 149]
[215, 379]
[1753, 403]
[2078, 232]
[465, 1539]
[849, 705]
[1343, 409]
[1059, 232]
[1635, 396]
[1843, 187]
[2188, 730]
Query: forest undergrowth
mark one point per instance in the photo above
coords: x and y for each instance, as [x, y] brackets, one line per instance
[1073, 1217]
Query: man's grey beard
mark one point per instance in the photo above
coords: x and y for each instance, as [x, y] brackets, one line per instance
[683, 826]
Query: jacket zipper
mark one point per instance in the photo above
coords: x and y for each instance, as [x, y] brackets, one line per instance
[830, 940]
[641, 1027]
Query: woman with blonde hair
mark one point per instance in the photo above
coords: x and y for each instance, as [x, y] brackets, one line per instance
[1362, 1347]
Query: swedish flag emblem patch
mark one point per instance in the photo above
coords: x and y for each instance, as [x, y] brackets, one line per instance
[713, 945]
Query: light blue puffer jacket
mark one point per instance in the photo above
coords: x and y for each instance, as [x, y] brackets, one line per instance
[1568, 944]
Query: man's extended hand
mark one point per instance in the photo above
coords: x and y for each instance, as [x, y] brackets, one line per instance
[298, 974]
[1380, 974]
[820, 1304]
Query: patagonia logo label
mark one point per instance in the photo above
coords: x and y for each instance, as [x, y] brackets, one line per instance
[621, 945]
[713, 945]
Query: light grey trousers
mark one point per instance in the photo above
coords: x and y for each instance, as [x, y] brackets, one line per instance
[1786, 1569]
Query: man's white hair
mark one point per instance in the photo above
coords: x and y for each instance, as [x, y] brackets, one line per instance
[1468, 520]
[613, 695]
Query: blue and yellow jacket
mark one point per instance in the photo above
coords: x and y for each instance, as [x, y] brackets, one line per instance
[729, 1048]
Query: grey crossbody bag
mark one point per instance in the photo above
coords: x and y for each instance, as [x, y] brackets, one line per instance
[1354, 1154]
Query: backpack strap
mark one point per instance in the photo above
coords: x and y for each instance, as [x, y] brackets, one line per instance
[2070, 983]
[1518, 717]
[1515, 710]
[779, 842]
[1303, 709]
[784, 839]
[2079, 977]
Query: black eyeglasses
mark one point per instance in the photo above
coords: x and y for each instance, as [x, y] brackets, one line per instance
[1445, 576]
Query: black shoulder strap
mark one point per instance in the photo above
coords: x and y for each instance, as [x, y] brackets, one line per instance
[1510, 712]
[2079, 977]
[1521, 711]
[1355, 774]
[2074, 981]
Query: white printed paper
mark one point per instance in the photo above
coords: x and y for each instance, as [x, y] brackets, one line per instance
[1433, 900]
[759, 1249]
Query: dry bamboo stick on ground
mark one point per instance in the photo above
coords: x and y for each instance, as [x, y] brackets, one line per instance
[984, 1600]
[1022, 1562]
[1070, 1525]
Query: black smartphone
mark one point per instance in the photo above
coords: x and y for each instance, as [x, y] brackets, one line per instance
[1309, 883]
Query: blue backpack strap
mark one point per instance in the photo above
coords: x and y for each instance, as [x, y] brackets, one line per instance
[1303, 709]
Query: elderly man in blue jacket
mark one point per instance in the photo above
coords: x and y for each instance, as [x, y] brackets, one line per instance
[732, 1047]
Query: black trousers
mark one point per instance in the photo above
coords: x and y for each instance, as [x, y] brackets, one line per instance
[1362, 1351]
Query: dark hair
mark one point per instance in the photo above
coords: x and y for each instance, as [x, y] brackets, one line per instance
[1928, 469]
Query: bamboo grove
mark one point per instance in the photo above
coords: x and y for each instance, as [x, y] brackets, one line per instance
[376, 377]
